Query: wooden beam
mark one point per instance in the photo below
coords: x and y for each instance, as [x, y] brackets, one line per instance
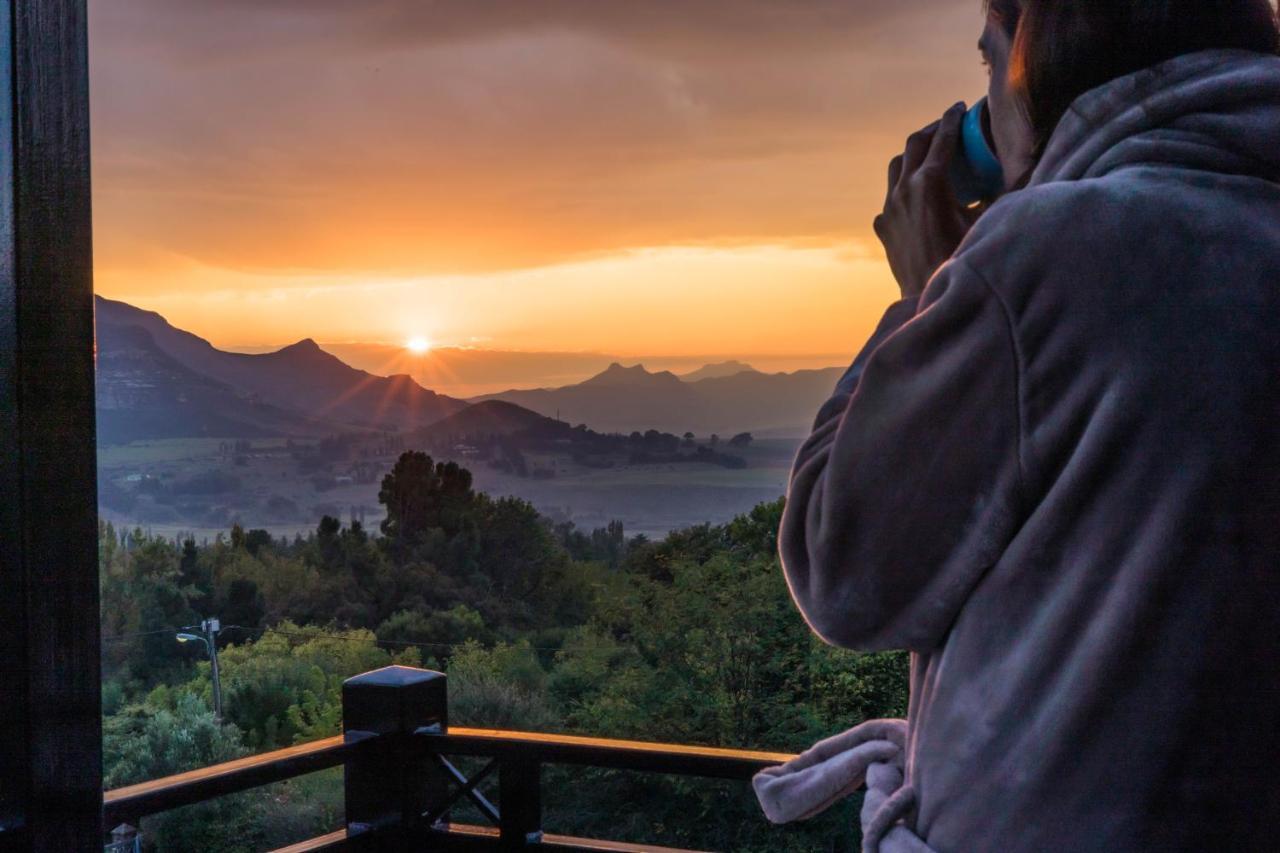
[50, 743]
[336, 840]
[548, 748]
[462, 837]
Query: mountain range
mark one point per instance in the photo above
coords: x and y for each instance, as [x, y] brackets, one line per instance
[476, 370]
[158, 381]
[727, 401]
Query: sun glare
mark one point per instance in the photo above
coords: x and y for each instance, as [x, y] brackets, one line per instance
[417, 345]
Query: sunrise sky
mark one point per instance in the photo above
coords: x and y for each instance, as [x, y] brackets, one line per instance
[656, 177]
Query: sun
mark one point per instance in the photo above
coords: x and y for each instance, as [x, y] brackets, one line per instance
[417, 345]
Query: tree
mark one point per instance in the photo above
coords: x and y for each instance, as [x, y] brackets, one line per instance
[286, 688]
[439, 630]
[742, 439]
[180, 733]
[609, 543]
[502, 687]
[257, 539]
[328, 543]
[420, 494]
[517, 553]
[195, 578]
[243, 605]
[155, 590]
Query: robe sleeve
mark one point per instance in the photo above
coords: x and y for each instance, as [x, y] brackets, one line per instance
[910, 485]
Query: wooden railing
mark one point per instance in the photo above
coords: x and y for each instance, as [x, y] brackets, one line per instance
[400, 784]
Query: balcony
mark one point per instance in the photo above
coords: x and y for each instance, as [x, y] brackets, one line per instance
[400, 784]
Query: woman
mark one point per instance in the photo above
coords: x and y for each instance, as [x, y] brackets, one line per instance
[1053, 473]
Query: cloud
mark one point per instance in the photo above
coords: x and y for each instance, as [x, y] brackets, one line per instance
[417, 137]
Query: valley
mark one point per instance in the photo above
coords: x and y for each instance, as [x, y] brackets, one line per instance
[273, 490]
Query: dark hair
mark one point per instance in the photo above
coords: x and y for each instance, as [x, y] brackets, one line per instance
[1063, 48]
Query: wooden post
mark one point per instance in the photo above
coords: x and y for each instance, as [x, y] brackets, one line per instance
[520, 803]
[392, 782]
[50, 690]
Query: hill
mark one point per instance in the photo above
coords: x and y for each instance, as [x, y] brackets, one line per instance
[491, 417]
[301, 378]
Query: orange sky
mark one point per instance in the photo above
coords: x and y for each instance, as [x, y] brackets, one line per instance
[661, 177]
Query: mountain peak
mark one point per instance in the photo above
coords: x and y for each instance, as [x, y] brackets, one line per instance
[306, 349]
[636, 375]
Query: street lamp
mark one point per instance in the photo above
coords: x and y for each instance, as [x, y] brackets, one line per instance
[209, 636]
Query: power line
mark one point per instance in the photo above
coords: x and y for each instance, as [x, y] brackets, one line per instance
[139, 634]
[175, 630]
[376, 641]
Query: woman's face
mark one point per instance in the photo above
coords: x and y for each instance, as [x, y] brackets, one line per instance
[1010, 127]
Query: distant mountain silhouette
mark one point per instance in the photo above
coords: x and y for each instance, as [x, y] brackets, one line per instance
[301, 378]
[142, 392]
[625, 399]
[717, 371]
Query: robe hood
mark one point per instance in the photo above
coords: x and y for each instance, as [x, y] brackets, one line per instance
[1214, 110]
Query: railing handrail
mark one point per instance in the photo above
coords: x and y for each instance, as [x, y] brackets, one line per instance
[639, 755]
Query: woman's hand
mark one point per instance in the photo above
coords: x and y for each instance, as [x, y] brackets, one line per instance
[922, 222]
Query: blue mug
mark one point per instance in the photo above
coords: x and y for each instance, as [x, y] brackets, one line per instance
[976, 173]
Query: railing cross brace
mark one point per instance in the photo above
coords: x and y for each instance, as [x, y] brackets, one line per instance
[467, 788]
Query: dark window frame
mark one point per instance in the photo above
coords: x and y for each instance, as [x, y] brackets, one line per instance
[50, 691]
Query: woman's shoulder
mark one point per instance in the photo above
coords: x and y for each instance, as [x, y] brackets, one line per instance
[1030, 233]
[1035, 216]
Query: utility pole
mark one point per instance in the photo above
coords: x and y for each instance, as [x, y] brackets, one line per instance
[211, 627]
[208, 635]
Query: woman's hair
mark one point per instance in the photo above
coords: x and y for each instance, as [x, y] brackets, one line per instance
[1063, 48]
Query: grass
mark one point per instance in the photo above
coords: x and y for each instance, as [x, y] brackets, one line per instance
[172, 450]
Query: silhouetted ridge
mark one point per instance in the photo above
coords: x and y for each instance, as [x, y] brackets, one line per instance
[301, 377]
